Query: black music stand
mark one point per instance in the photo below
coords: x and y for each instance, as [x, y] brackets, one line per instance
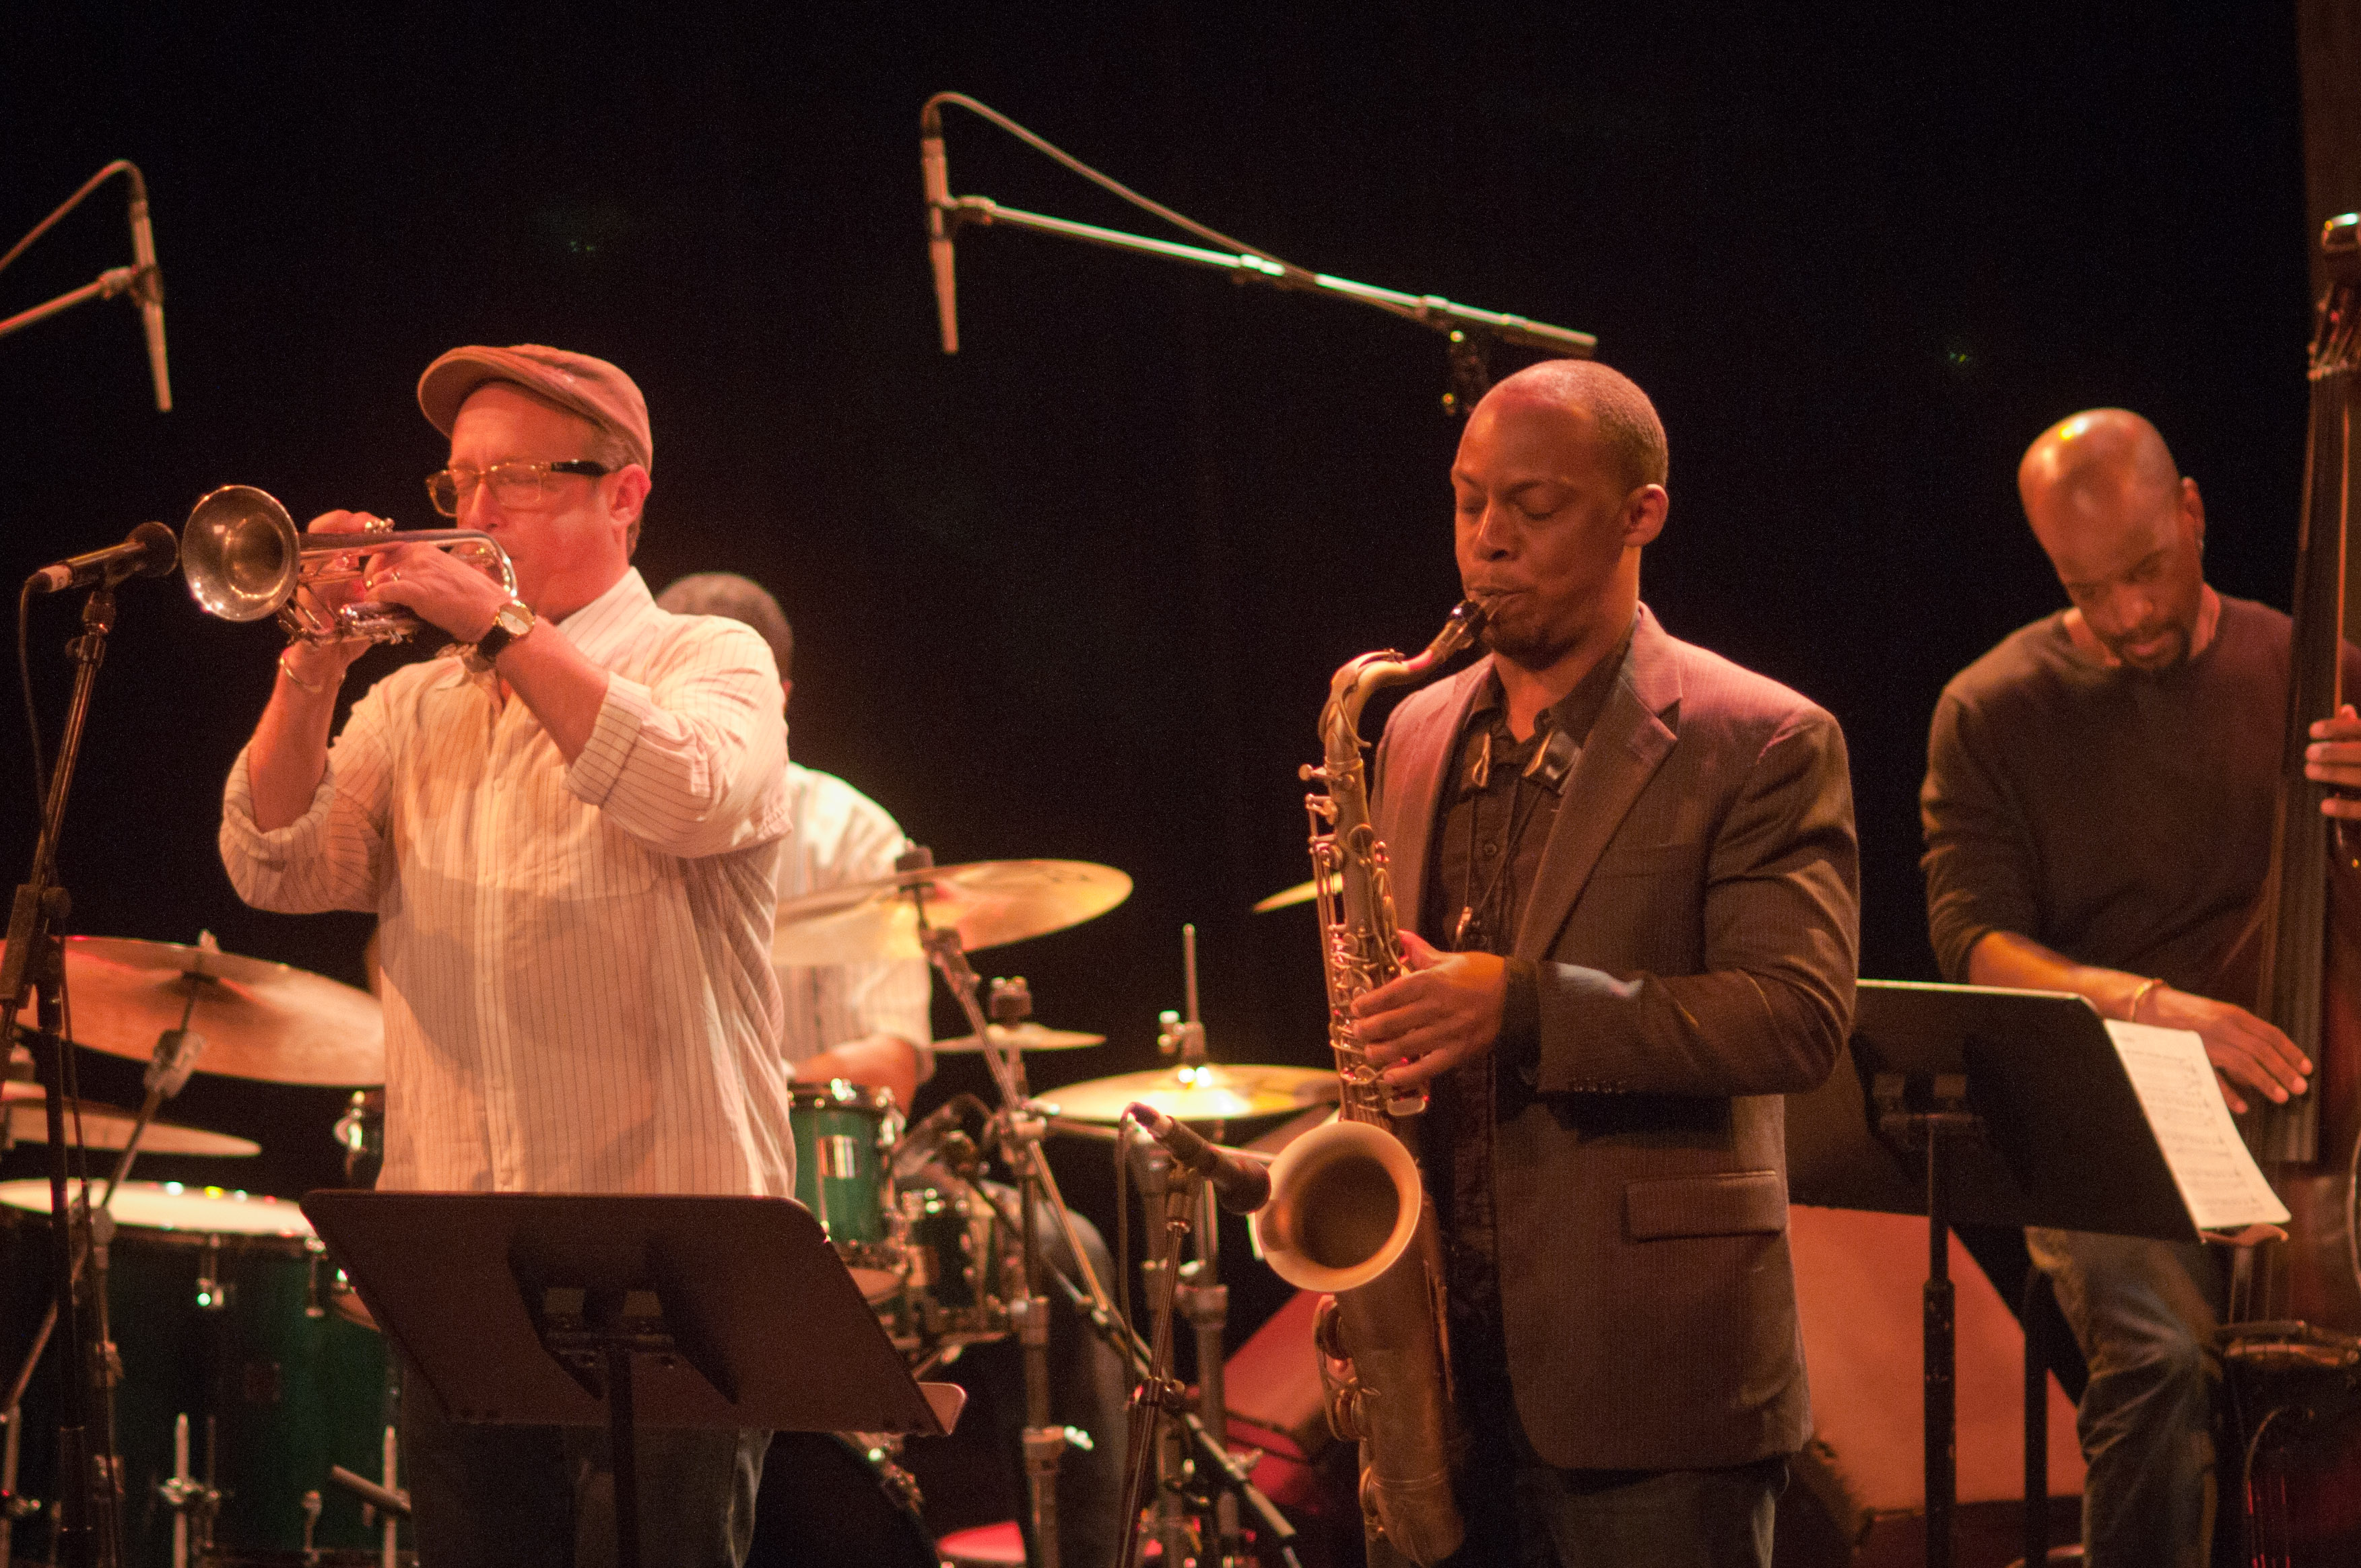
[622, 1312]
[1983, 1106]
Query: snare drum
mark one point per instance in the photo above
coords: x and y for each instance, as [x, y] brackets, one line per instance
[221, 1306]
[843, 1135]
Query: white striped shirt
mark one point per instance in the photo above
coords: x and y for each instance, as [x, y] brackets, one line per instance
[841, 836]
[579, 994]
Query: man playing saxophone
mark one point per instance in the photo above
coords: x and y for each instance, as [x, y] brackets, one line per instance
[1629, 881]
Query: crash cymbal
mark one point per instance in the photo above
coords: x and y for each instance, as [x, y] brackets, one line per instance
[1025, 1037]
[106, 1127]
[988, 902]
[1208, 1093]
[260, 1019]
[1287, 898]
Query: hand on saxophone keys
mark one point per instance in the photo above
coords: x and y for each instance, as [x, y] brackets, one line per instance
[1446, 1009]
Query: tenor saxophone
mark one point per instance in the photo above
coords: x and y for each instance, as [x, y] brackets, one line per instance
[1347, 1214]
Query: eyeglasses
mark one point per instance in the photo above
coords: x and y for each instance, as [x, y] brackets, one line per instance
[513, 484]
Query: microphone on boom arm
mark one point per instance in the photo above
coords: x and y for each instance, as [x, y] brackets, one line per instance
[147, 287]
[939, 228]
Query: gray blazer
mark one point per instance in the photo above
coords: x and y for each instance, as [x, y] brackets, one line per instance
[1696, 926]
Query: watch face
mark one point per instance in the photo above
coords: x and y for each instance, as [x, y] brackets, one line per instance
[515, 617]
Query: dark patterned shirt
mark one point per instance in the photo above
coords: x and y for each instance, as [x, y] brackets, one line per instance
[1498, 802]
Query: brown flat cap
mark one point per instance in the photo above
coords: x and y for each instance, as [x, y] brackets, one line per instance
[575, 382]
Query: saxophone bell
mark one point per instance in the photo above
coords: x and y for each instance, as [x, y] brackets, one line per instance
[1344, 1205]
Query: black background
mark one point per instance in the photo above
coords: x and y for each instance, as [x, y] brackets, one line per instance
[1077, 592]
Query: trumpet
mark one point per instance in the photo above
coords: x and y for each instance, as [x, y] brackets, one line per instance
[244, 559]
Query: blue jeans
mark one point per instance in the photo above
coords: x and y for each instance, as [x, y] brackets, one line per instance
[508, 1497]
[2144, 1313]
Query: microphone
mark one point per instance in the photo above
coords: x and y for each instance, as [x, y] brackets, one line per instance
[150, 552]
[1241, 1182]
[148, 286]
[939, 233]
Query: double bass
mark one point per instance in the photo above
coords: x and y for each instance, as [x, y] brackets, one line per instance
[2290, 1478]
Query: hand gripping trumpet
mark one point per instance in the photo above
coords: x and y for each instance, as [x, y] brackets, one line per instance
[244, 560]
[1346, 1214]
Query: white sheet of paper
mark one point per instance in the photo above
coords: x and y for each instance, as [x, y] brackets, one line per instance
[2218, 1178]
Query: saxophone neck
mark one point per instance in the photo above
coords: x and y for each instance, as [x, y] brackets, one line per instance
[1350, 689]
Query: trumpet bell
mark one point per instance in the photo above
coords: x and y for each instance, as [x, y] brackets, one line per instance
[1345, 1203]
[240, 553]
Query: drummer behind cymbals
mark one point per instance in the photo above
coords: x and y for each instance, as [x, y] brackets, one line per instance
[864, 1023]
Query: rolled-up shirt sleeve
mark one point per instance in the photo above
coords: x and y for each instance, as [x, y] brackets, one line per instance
[333, 857]
[693, 762]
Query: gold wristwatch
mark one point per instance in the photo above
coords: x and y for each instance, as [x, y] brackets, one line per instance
[513, 620]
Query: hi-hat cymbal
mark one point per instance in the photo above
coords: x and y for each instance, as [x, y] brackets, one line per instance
[988, 902]
[1210, 1094]
[260, 1019]
[99, 1126]
[1024, 1038]
[1287, 897]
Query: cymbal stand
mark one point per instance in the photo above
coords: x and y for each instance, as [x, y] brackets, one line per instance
[1020, 1129]
[34, 968]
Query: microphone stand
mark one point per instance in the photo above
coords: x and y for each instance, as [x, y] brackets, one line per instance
[34, 966]
[1467, 326]
[1159, 1391]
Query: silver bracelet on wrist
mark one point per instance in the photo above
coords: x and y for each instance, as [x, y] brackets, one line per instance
[314, 687]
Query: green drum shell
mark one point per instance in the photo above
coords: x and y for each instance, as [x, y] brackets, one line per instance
[292, 1393]
[843, 1134]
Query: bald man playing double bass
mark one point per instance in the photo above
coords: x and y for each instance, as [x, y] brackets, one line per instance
[2098, 808]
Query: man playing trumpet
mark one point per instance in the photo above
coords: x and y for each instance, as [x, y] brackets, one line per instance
[568, 829]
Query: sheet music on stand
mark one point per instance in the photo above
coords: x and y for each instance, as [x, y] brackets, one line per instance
[2210, 1162]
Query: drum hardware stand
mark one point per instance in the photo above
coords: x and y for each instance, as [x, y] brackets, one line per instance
[389, 1499]
[34, 968]
[1020, 1129]
[1211, 1454]
[191, 1499]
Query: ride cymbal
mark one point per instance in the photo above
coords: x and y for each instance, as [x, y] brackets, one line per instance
[989, 903]
[1214, 1093]
[259, 1020]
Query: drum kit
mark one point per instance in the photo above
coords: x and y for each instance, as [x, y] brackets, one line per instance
[252, 1410]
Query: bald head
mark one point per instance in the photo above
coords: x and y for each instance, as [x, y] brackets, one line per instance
[1624, 420]
[2125, 530]
[2092, 463]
